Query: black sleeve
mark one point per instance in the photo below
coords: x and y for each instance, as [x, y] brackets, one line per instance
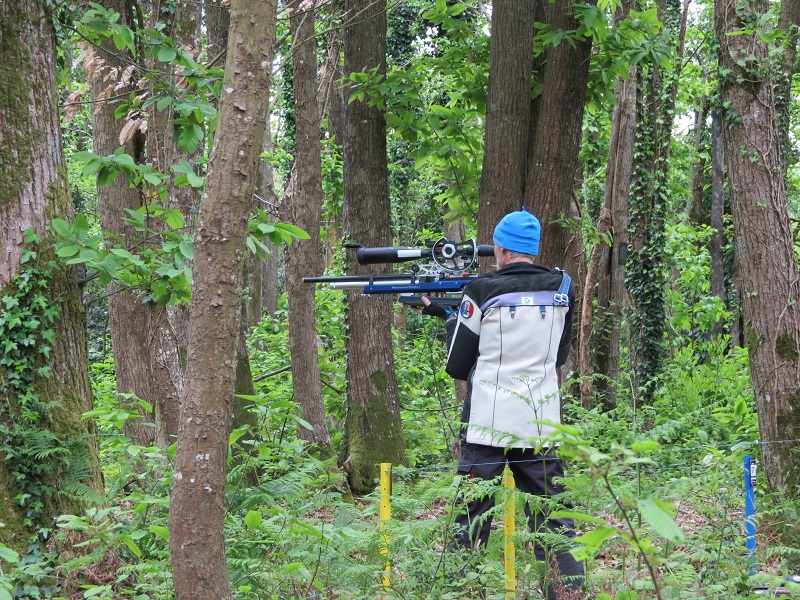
[463, 342]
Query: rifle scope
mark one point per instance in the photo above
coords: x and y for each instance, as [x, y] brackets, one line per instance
[438, 251]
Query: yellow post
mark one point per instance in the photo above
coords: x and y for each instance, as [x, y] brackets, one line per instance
[385, 515]
[508, 528]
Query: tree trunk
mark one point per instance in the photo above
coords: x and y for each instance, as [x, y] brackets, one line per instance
[552, 160]
[269, 202]
[218, 21]
[697, 183]
[197, 507]
[592, 272]
[181, 21]
[767, 267]
[303, 208]
[33, 192]
[611, 293]
[717, 213]
[508, 108]
[373, 428]
[789, 22]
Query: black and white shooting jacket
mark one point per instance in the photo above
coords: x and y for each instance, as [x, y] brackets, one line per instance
[512, 330]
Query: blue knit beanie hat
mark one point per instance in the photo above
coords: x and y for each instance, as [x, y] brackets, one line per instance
[519, 232]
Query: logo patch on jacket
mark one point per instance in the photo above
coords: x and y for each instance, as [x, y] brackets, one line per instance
[467, 309]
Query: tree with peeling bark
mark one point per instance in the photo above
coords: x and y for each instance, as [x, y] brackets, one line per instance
[197, 506]
[766, 272]
[44, 375]
[611, 291]
[373, 428]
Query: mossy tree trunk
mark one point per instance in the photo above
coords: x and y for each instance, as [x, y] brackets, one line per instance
[33, 192]
[766, 271]
[197, 506]
[373, 427]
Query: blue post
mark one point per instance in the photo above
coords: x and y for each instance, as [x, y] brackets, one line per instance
[750, 512]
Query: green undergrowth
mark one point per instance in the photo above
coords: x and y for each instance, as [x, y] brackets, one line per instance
[656, 494]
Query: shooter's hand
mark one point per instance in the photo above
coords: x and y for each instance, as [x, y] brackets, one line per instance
[436, 310]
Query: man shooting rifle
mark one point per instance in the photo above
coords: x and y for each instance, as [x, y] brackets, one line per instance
[511, 330]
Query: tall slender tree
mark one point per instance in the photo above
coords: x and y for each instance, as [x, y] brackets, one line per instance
[373, 428]
[766, 271]
[197, 506]
[611, 293]
[303, 208]
[44, 375]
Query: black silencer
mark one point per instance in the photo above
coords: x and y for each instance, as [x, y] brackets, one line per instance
[398, 254]
[390, 254]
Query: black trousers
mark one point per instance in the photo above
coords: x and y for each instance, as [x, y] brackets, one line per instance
[533, 474]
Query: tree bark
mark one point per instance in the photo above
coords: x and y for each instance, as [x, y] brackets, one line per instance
[697, 183]
[717, 213]
[592, 272]
[181, 21]
[508, 107]
[218, 21]
[612, 293]
[303, 208]
[767, 267]
[373, 428]
[197, 507]
[553, 147]
[33, 192]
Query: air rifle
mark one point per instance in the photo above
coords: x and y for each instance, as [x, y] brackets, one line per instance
[450, 266]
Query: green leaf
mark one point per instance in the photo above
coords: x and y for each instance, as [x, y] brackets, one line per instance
[106, 175]
[160, 531]
[167, 54]
[187, 248]
[576, 516]
[128, 541]
[596, 537]
[8, 554]
[393, 120]
[66, 250]
[663, 524]
[253, 519]
[152, 178]
[62, 228]
[123, 38]
[163, 102]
